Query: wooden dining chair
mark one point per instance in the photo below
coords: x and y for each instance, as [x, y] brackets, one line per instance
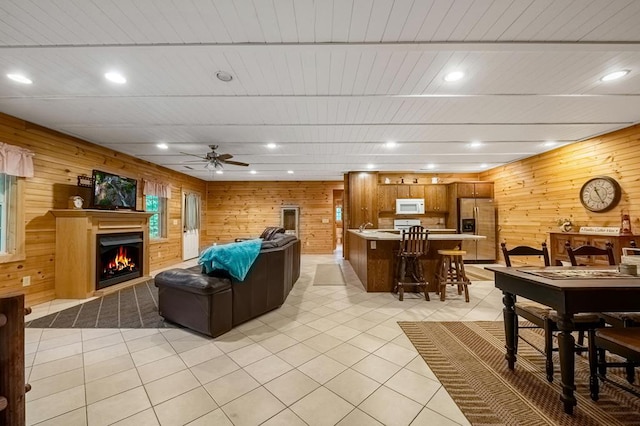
[623, 319]
[533, 312]
[624, 342]
[590, 251]
[586, 322]
[413, 245]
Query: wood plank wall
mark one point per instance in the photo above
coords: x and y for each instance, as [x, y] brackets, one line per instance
[532, 194]
[58, 160]
[244, 209]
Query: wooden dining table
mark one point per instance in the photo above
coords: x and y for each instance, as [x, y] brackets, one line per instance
[569, 291]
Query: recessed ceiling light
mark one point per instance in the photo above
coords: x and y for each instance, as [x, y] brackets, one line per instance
[290, 172]
[454, 76]
[271, 145]
[115, 77]
[219, 172]
[370, 166]
[550, 143]
[483, 165]
[431, 166]
[475, 144]
[224, 76]
[162, 146]
[253, 172]
[19, 78]
[391, 144]
[615, 75]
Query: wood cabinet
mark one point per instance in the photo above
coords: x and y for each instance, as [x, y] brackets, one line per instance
[558, 252]
[436, 198]
[363, 199]
[387, 195]
[410, 191]
[474, 189]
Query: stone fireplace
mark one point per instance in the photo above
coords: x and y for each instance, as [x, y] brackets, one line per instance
[99, 251]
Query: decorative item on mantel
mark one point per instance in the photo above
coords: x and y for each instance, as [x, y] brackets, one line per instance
[75, 202]
[625, 223]
[85, 181]
[565, 225]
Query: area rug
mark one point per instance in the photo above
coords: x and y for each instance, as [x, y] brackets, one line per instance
[328, 274]
[475, 273]
[132, 307]
[468, 359]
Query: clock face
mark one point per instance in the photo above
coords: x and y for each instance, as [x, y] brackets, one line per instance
[600, 194]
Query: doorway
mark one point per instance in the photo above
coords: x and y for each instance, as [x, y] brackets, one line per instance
[338, 211]
[190, 225]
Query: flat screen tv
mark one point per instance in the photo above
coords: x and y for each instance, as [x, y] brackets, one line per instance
[113, 192]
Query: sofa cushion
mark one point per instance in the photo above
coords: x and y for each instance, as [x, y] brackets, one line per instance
[191, 281]
[278, 240]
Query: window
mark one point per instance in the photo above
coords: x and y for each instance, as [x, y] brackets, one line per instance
[338, 214]
[157, 222]
[11, 211]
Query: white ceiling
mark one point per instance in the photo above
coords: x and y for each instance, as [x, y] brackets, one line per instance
[328, 81]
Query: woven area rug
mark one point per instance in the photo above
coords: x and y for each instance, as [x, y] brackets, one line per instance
[468, 359]
[328, 274]
[132, 307]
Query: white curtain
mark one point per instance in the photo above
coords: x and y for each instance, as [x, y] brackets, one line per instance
[16, 161]
[191, 212]
[156, 188]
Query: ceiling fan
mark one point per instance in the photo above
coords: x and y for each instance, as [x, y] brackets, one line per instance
[215, 160]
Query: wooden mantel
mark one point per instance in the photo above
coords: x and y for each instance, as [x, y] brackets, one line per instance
[76, 236]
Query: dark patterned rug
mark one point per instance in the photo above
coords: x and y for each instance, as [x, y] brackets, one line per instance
[468, 359]
[132, 307]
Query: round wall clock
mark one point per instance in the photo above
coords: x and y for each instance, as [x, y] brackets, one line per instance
[600, 194]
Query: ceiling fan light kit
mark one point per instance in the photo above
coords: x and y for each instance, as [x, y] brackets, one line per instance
[216, 161]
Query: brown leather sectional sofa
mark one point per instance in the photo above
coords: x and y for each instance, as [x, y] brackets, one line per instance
[213, 304]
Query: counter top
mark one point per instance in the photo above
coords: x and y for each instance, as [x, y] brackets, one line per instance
[389, 234]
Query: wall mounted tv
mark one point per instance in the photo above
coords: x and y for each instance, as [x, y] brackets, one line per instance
[113, 192]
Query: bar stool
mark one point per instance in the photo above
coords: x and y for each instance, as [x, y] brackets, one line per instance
[412, 246]
[452, 272]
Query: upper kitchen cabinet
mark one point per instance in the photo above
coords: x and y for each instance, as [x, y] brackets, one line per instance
[410, 191]
[363, 199]
[474, 189]
[436, 198]
[387, 195]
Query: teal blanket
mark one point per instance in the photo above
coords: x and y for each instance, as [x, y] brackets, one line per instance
[235, 258]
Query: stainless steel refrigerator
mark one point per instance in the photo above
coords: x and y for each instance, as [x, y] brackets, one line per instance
[478, 216]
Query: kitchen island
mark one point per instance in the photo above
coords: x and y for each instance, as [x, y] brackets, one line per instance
[372, 255]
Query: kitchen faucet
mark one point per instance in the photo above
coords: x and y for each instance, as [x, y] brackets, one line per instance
[364, 226]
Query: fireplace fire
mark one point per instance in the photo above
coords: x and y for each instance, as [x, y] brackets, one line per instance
[119, 258]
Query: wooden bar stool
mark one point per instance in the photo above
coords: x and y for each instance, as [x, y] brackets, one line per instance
[413, 245]
[452, 272]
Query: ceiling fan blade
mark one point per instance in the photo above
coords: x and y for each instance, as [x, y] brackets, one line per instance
[235, 163]
[223, 157]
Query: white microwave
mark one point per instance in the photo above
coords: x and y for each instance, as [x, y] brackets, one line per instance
[409, 206]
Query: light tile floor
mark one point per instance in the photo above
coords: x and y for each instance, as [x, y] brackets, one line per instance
[330, 355]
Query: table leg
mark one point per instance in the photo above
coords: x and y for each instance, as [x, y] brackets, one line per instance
[510, 319]
[566, 346]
